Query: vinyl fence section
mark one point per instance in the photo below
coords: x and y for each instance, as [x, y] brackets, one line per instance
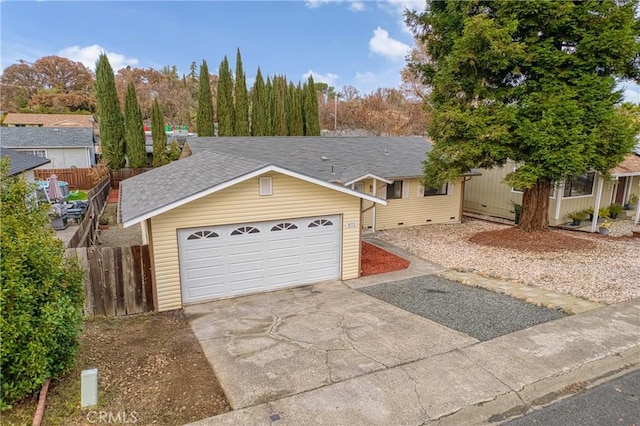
[118, 280]
[76, 178]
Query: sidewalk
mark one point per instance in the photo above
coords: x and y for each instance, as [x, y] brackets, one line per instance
[486, 382]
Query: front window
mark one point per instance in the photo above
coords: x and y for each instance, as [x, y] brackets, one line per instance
[37, 152]
[442, 190]
[394, 190]
[581, 185]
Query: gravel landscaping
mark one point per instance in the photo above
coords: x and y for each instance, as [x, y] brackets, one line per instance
[479, 313]
[606, 270]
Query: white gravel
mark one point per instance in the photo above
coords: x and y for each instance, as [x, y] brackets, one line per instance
[609, 272]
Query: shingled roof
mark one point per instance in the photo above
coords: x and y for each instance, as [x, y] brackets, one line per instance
[50, 120]
[21, 162]
[45, 137]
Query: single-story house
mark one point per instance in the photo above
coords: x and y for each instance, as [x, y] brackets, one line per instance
[64, 147]
[488, 194]
[22, 163]
[18, 119]
[245, 215]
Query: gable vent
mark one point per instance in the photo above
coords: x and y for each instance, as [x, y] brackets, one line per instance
[266, 186]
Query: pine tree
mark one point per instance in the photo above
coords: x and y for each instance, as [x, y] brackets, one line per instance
[159, 135]
[269, 101]
[225, 100]
[134, 129]
[110, 117]
[279, 117]
[311, 114]
[259, 107]
[204, 118]
[241, 105]
[295, 125]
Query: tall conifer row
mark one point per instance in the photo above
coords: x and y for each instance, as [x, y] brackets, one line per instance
[110, 117]
[259, 107]
[311, 114]
[225, 100]
[159, 135]
[134, 129]
[241, 103]
[269, 93]
[279, 118]
[294, 111]
[204, 117]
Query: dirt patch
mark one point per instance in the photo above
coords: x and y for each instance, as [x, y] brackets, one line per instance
[150, 367]
[516, 239]
[115, 235]
[377, 261]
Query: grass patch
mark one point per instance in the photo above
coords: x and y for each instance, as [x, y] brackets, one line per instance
[77, 195]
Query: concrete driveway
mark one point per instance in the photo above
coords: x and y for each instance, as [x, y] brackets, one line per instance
[268, 346]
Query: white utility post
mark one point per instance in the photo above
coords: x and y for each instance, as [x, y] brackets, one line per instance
[596, 207]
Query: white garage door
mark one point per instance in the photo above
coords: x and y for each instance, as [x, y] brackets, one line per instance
[223, 261]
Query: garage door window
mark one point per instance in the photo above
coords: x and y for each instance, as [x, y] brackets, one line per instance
[283, 226]
[202, 234]
[320, 222]
[243, 230]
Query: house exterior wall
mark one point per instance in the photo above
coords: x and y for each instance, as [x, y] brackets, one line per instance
[65, 158]
[489, 195]
[415, 208]
[242, 203]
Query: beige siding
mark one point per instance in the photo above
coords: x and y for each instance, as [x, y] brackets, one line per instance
[240, 204]
[415, 209]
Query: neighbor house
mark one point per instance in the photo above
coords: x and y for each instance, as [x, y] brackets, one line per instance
[64, 147]
[245, 215]
[21, 163]
[18, 119]
[489, 195]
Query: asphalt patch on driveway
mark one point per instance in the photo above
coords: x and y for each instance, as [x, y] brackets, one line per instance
[479, 313]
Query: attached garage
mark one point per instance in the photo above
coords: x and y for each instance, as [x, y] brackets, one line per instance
[231, 260]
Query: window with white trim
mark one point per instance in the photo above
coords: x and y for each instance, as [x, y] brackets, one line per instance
[359, 186]
[284, 226]
[579, 186]
[199, 235]
[266, 186]
[243, 230]
[442, 190]
[320, 223]
[394, 190]
[37, 152]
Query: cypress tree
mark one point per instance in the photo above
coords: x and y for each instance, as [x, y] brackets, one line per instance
[294, 111]
[159, 136]
[259, 107]
[204, 117]
[241, 105]
[311, 114]
[225, 100]
[279, 98]
[110, 117]
[269, 102]
[134, 129]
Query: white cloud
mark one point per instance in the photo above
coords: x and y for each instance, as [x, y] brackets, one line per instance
[365, 78]
[312, 4]
[328, 78]
[88, 55]
[356, 6]
[631, 92]
[386, 46]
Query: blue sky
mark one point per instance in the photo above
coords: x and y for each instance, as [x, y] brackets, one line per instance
[349, 42]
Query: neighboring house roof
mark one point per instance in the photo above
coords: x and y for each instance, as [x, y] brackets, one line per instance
[629, 167]
[45, 137]
[21, 162]
[50, 120]
[165, 188]
[334, 159]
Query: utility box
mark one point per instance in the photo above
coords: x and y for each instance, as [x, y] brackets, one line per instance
[89, 388]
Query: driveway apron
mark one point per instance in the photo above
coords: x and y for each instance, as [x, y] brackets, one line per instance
[268, 346]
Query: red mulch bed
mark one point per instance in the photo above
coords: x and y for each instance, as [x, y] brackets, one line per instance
[516, 239]
[377, 261]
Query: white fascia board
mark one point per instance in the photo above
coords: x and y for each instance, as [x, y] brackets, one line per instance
[625, 174]
[243, 178]
[368, 176]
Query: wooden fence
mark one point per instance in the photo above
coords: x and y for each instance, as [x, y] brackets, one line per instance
[119, 175]
[76, 178]
[118, 280]
[86, 232]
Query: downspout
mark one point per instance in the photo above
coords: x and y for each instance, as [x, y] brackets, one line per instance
[594, 224]
[559, 195]
[373, 212]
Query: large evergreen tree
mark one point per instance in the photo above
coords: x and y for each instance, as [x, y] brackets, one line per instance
[310, 109]
[241, 103]
[225, 100]
[259, 107]
[270, 99]
[295, 126]
[110, 119]
[533, 82]
[134, 129]
[279, 118]
[204, 117]
[159, 135]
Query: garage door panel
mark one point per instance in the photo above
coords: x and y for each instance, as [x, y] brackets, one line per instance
[254, 257]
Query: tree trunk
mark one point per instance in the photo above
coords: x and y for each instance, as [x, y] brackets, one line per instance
[535, 207]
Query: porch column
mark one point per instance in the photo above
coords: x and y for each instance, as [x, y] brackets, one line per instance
[594, 224]
[373, 211]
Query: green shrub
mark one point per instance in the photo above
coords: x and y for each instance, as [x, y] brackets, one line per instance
[603, 212]
[615, 209]
[578, 215]
[40, 295]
